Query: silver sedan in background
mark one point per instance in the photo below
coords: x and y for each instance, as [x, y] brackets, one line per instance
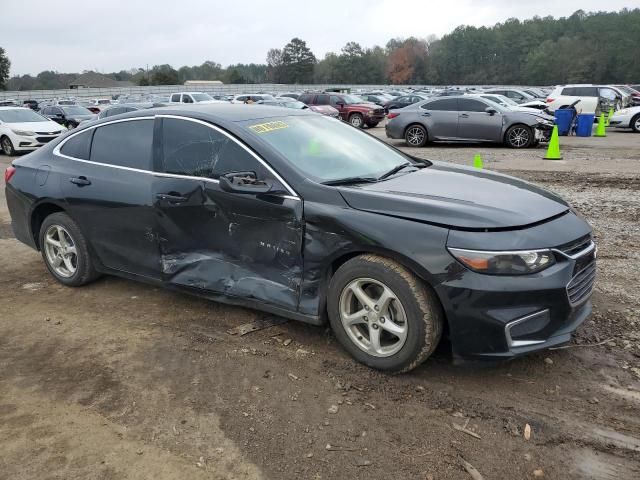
[467, 119]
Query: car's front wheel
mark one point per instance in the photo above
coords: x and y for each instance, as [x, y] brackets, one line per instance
[635, 123]
[65, 251]
[382, 314]
[7, 146]
[356, 120]
[519, 136]
[416, 136]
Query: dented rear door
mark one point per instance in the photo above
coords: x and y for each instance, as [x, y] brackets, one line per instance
[230, 244]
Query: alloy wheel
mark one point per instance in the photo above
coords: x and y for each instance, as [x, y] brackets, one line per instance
[7, 147]
[415, 136]
[356, 121]
[637, 124]
[373, 317]
[519, 137]
[60, 250]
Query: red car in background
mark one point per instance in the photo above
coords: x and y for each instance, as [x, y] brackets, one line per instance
[352, 109]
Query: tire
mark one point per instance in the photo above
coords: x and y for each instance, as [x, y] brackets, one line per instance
[71, 125]
[519, 136]
[7, 146]
[356, 120]
[415, 136]
[635, 123]
[60, 225]
[372, 125]
[412, 312]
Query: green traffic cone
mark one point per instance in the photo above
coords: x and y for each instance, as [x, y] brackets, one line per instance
[609, 117]
[553, 151]
[477, 161]
[600, 129]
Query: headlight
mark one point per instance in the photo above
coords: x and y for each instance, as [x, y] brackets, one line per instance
[520, 262]
[546, 121]
[24, 133]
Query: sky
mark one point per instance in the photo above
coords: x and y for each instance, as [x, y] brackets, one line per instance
[121, 34]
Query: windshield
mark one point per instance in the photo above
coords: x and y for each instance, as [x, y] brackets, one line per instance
[20, 115]
[202, 97]
[66, 102]
[76, 110]
[326, 149]
[351, 99]
[502, 100]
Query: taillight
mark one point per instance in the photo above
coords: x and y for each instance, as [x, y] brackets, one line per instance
[549, 100]
[8, 173]
[392, 115]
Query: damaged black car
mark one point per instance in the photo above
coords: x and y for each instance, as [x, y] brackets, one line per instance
[303, 216]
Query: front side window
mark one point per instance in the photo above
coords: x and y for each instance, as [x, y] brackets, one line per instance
[470, 105]
[196, 150]
[124, 144]
[187, 99]
[78, 146]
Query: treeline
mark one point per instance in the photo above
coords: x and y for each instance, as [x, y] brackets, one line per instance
[597, 47]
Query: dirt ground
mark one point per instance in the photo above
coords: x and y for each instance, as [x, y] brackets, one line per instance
[119, 380]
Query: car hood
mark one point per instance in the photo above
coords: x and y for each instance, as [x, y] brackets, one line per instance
[47, 126]
[458, 197]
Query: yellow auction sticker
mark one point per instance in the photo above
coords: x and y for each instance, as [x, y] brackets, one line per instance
[268, 127]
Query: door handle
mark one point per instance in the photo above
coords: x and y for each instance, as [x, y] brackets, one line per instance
[171, 198]
[464, 115]
[80, 181]
[426, 114]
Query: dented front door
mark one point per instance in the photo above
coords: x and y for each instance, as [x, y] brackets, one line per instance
[238, 245]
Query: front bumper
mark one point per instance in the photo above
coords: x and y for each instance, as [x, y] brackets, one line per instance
[502, 317]
[30, 143]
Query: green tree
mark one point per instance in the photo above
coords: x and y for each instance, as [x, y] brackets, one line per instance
[164, 75]
[298, 62]
[5, 65]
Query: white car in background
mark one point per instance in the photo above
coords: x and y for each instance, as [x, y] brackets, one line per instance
[594, 99]
[507, 102]
[626, 118]
[23, 130]
[192, 97]
[520, 97]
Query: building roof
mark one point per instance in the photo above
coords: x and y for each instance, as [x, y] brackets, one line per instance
[97, 80]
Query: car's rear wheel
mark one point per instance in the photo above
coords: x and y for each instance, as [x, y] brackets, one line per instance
[65, 251]
[635, 123]
[372, 124]
[416, 136]
[519, 136]
[356, 120]
[7, 146]
[383, 315]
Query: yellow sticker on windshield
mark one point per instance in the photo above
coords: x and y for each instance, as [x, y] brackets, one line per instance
[268, 127]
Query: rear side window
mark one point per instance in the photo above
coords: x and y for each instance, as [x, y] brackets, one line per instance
[195, 150]
[124, 144]
[78, 146]
[322, 100]
[305, 98]
[446, 104]
[175, 97]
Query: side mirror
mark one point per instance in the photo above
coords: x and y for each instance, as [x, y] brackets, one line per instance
[340, 104]
[244, 182]
[491, 110]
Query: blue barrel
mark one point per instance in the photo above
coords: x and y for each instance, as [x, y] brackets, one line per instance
[584, 124]
[563, 120]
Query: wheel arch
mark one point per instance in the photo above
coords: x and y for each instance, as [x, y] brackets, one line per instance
[38, 215]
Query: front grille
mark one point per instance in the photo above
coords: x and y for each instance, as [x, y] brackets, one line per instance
[44, 139]
[49, 133]
[378, 111]
[581, 285]
[575, 246]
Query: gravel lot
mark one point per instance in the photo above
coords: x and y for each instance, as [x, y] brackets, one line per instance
[119, 380]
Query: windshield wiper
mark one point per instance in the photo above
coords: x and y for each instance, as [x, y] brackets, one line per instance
[350, 180]
[397, 168]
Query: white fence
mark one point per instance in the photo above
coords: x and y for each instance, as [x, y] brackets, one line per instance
[82, 93]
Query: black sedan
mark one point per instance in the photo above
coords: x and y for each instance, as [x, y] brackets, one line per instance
[68, 115]
[303, 216]
[403, 101]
